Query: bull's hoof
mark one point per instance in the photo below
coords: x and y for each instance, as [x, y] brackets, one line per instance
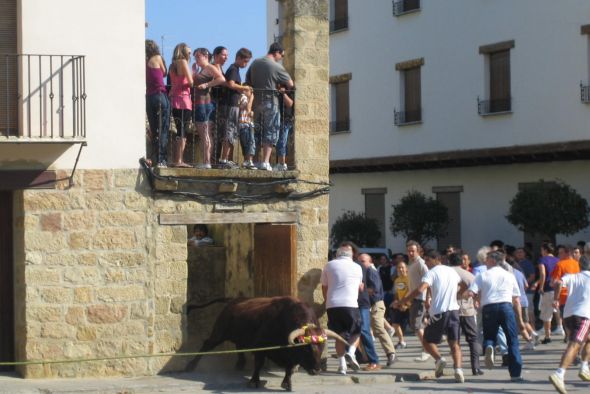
[256, 384]
[287, 386]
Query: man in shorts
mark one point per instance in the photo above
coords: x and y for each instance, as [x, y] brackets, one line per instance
[265, 75]
[576, 318]
[443, 282]
[342, 279]
[416, 270]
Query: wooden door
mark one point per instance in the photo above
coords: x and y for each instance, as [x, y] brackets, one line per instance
[275, 259]
[6, 281]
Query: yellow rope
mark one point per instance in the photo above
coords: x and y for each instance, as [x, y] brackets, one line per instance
[82, 360]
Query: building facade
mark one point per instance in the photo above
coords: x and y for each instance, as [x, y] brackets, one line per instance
[94, 260]
[465, 101]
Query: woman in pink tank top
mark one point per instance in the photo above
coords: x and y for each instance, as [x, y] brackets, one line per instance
[180, 99]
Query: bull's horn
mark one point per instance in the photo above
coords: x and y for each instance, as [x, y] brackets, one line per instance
[333, 335]
[294, 334]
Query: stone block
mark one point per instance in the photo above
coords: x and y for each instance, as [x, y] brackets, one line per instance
[34, 258]
[45, 241]
[86, 333]
[121, 218]
[81, 240]
[139, 310]
[122, 259]
[120, 293]
[171, 252]
[79, 220]
[135, 200]
[94, 179]
[105, 201]
[115, 275]
[39, 201]
[103, 314]
[44, 314]
[82, 275]
[58, 331]
[126, 178]
[39, 275]
[83, 295]
[109, 238]
[162, 305]
[75, 315]
[56, 295]
[50, 222]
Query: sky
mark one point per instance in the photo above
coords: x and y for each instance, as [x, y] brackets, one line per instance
[207, 23]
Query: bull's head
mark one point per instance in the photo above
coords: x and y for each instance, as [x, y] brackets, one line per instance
[316, 337]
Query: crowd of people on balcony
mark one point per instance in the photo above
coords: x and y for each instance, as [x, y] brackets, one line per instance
[214, 104]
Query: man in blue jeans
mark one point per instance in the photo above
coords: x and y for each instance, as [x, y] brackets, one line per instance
[364, 302]
[499, 296]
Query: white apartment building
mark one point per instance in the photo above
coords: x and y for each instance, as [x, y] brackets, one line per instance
[463, 100]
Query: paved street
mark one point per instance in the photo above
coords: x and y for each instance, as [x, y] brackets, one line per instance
[415, 378]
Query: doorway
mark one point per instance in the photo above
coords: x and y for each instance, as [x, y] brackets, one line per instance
[6, 280]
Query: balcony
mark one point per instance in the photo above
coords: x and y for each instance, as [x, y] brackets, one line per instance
[401, 7]
[494, 107]
[42, 98]
[585, 93]
[406, 118]
[338, 24]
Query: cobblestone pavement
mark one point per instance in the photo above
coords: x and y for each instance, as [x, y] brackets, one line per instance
[217, 375]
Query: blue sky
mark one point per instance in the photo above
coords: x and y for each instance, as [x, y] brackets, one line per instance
[208, 23]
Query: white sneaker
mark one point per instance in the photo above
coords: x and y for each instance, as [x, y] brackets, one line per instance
[249, 165]
[351, 359]
[265, 166]
[204, 166]
[439, 367]
[530, 345]
[584, 374]
[459, 377]
[489, 354]
[536, 338]
[422, 357]
[342, 370]
[557, 383]
[558, 331]
[281, 167]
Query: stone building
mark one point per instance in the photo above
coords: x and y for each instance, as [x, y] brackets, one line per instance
[93, 246]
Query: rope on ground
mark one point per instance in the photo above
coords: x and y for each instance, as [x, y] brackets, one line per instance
[212, 353]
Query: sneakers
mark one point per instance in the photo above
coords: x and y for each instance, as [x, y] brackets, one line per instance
[341, 371]
[459, 378]
[280, 167]
[489, 357]
[391, 333]
[477, 372]
[423, 357]
[265, 166]
[227, 165]
[401, 345]
[536, 338]
[584, 374]
[517, 379]
[390, 359]
[161, 164]
[530, 345]
[546, 340]
[558, 331]
[439, 365]
[351, 359]
[204, 166]
[558, 383]
[249, 164]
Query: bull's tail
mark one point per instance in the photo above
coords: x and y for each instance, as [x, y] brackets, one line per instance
[189, 308]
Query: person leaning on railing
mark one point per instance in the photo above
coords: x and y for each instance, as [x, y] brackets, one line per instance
[157, 103]
[181, 80]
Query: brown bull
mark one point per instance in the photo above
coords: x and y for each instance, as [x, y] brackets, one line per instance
[265, 322]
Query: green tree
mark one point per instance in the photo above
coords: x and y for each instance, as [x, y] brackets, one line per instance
[549, 208]
[355, 227]
[419, 217]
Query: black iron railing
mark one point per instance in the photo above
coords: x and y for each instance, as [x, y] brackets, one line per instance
[401, 118]
[339, 126]
[401, 7]
[189, 129]
[585, 93]
[339, 24]
[486, 107]
[42, 97]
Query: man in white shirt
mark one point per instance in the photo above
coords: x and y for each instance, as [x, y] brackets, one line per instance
[499, 297]
[444, 283]
[416, 270]
[576, 319]
[342, 279]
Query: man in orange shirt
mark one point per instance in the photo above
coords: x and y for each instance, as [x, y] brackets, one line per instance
[566, 265]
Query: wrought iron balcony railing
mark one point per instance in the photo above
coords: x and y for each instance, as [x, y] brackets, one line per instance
[401, 118]
[401, 7]
[42, 98]
[488, 107]
[339, 24]
[339, 126]
[585, 93]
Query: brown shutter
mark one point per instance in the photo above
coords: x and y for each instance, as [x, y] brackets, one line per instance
[500, 81]
[8, 74]
[375, 209]
[451, 200]
[412, 95]
[342, 106]
[340, 10]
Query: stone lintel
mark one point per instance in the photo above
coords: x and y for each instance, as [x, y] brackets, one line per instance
[496, 47]
[227, 218]
[413, 63]
[341, 78]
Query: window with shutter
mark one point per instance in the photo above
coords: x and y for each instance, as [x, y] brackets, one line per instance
[412, 95]
[340, 107]
[339, 19]
[500, 81]
[8, 69]
[451, 200]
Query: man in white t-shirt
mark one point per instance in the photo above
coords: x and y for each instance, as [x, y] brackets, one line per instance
[444, 283]
[576, 319]
[499, 298]
[342, 279]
